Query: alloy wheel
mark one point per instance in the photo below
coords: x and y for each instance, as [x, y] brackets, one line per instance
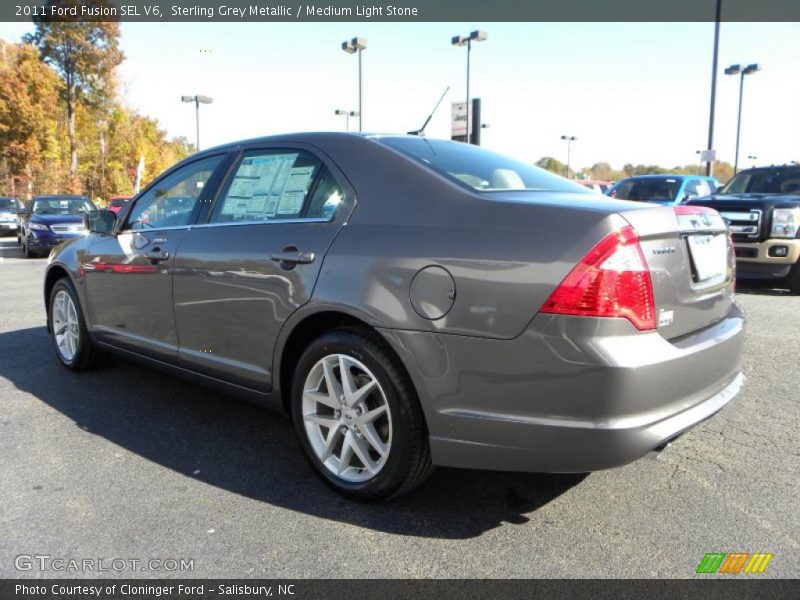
[66, 328]
[347, 418]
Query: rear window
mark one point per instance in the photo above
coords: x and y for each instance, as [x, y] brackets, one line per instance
[477, 168]
[767, 181]
[652, 189]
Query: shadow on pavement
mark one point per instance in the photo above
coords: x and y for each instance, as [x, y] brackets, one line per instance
[9, 247]
[762, 288]
[251, 451]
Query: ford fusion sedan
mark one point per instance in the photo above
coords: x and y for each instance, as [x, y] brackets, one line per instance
[663, 189]
[49, 220]
[412, 302]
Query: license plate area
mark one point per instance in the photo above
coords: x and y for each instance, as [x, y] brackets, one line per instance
[709, 256]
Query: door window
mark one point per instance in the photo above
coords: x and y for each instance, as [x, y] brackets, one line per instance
[691, 188]
[172, 201]
[268, 185]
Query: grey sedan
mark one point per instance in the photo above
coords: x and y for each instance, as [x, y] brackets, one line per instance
[412, 303]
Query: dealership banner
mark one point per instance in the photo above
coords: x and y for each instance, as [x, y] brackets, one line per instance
[399, 10]
[389, 589]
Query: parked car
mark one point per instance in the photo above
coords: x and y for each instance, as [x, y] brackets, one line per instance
[762, 206]
[117, 203]
[9, 220]
[663, 189]
[413, 302]
[598, 185]
[49, 220]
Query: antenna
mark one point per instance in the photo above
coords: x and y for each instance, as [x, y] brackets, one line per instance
[421, 130]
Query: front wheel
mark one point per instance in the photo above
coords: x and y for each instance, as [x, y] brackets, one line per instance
[358, 417]
[27, 250]
[68, 329]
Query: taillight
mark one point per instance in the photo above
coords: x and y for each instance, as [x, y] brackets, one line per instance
[612, 280]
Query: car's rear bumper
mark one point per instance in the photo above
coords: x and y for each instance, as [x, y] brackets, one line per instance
[569, 395]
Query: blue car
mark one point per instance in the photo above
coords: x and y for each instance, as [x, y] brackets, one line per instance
[663, 189]
[49, 220]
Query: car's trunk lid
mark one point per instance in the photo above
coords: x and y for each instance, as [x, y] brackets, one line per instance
[691, 262]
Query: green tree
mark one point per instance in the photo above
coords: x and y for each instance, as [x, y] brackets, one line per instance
[85, 55]
[601, 170]
[548, 163]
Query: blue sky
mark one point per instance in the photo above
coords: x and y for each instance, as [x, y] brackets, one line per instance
[632, 92]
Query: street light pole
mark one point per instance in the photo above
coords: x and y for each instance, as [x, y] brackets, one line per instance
[347, 114]
[198, 100]
[569, 139]
[713, 87]
[466, 40]
[741, 71]
[357, 45]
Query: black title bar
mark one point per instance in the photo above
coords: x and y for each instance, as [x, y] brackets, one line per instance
[400, 10]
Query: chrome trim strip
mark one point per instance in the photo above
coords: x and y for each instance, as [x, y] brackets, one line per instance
[268, 222]
[156, 229]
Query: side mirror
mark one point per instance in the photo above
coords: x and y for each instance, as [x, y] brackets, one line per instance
[99, 221]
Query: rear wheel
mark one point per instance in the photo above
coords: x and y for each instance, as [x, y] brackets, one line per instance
[358, 417]
[68, 329]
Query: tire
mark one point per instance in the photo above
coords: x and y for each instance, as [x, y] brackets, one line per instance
[27, 250]
[793, 279]
[399, 429]
[76, 352]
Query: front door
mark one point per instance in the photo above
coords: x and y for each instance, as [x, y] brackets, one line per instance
[255, 260]
[128, 274]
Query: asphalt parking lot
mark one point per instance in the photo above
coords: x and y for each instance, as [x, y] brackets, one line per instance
[128, 463]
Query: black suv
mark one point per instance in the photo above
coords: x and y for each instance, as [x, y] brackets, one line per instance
[762, 206]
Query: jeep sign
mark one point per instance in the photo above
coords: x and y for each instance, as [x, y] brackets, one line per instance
[458, 125]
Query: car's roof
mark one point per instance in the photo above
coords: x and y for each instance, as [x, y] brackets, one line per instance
[310, 137]
[61, 197]
[771, 168]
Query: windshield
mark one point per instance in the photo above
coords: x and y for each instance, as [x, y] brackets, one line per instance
[650, 189]
[765, 181]
[8, 205]
[61, 206]
[478, 169]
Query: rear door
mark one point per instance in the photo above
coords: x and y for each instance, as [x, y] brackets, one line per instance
[255, 259]
[128, 273]
[691, 261]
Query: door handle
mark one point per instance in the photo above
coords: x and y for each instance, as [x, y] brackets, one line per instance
[290, 256]
[156, 255]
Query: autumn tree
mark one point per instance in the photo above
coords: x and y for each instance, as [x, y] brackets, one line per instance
[84, 54]
[28, 124]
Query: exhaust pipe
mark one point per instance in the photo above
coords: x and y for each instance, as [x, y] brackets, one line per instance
[655, 453]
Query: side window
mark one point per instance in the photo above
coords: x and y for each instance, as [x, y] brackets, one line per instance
[691, 187]
[327, 197]
[268, 185]
[172, 201]
[704, 187]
